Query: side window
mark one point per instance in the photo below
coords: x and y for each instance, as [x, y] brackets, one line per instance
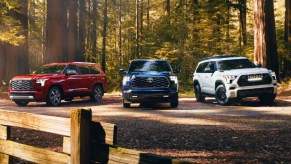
[212, 66]
[84, 70]
[94, 70]
[201, 67]
[71, 67]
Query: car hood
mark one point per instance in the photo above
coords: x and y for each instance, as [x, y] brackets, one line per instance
[150, 74]
[34, 76]
[246, 71]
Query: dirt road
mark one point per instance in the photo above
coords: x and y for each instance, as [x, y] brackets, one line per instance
[196, 132]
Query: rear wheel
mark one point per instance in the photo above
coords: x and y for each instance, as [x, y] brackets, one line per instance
[21, 103]
[267, 99]
[126, 104]
[198, 95]
[97, 93]
[220, 95]
[54, 96]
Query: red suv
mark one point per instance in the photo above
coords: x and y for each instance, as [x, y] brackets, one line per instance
[55, 82]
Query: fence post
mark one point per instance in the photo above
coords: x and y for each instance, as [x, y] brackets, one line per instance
[80, 136]
[5, 134]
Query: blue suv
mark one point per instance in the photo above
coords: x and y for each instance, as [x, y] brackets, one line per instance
[149, 81]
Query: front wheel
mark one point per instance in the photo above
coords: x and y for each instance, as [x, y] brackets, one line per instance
[97, 93]
[199, 97]
[54, 96]
[174, 102]
[21, 103]
[267, 99]
[220, 95]
[126, 105]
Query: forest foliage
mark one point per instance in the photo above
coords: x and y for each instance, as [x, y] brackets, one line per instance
[180, 31]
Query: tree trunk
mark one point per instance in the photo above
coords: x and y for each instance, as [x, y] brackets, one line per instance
[137, 28]
[17, 56]
[265, 51]
[286, 65]
[119, 33]
[3, 63]
[56, 37]
[168, 7]
[104, 35]
[82, 31]
[141, 27]
[94, 31]
[148, 14]
[243, 20]
[72, 30]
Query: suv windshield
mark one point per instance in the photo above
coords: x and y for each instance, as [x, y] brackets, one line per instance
[235, 64]
[52, 69]
[149, 66]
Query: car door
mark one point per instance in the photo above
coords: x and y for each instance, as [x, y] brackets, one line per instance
[72, 80]
[208, 80]
[85, 84]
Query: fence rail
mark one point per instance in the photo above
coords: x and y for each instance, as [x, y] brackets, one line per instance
[84, 141]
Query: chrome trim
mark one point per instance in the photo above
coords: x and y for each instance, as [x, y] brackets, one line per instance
[21, 97]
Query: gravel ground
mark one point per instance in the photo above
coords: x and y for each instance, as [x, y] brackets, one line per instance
[197, 132]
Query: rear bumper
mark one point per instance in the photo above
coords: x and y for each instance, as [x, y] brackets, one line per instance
[154, 96]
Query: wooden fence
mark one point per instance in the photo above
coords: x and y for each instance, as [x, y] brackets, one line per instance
[84, 141]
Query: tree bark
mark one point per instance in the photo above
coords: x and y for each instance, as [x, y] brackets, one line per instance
[2, 63]
[17, 56]
[104, 35]
[94, 30]
[168, 7]
[82, 31]
[265, 51]
[137, 28]
[119, 32]
[56, 35]
[72, 30]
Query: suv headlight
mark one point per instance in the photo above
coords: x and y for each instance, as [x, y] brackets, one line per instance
[125, 80]
[174, 79]
[273, 74]
[41, 81]
[229, 78]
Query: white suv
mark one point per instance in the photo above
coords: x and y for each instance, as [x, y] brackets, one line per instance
[229, 78]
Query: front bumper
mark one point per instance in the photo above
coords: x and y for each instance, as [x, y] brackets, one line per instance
[27, 95]
[154, 96]
[251, 91]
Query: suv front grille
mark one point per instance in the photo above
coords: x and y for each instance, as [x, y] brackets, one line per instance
[243, 80]
[21, 85]
[150, 82]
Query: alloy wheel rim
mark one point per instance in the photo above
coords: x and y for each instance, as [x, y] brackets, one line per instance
[97, 94]
[55, 97]
[221, 95]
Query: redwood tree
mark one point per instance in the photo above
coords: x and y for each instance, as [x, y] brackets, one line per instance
[265, 45]
[72, 30]
[56, 31]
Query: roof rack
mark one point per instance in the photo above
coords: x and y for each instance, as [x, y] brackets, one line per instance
[218, 57]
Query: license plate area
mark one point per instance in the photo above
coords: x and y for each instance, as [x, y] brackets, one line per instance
[257, 77]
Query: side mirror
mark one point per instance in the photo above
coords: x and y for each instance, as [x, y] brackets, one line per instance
[208, 70]
[259, 65]
[122, 71]
[71, 72]
[177, 70]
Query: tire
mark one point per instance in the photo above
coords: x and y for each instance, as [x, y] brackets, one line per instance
[198, 94]
[54, 96]
[267, 99]
[220, 95]
[126, 105]
[97, 93]
[21, 103]
[174, 102]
